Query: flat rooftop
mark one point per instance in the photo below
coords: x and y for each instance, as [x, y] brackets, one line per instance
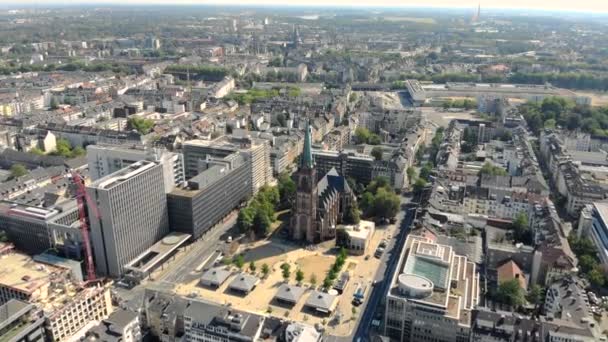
[454, 278]
[154, 255]
[20, 272]
[120, 176]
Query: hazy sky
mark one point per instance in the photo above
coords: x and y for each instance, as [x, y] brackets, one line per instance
[576, 5]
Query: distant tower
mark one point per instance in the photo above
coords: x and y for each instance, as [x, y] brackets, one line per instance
[477, 16]
[304, 218]
[296, 39]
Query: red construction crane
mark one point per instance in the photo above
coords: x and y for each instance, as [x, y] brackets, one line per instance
[83, 200]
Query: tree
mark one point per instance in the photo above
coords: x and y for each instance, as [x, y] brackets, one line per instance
[377, 153]
[313, 280]
[265, 270]
[492, 170]
[411, 174]
[239, 261]
[281, 119]
[352, 215]
[286, 273]
[245, 219]
[362, 135]
[299, 276]
[78, 152]
[419, 186]
[262, 223]
[143, 126]
[425, 171]
[63, 148]
[252, 266]
[37, 151]
[327, 282]
[386, 203]
[510, 293]
[520, 226]
[287, 189]
[587, 263]
[596, 277]
[535, 294]
[18, 170]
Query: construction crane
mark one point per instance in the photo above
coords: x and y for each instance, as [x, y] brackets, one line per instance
[83, 199]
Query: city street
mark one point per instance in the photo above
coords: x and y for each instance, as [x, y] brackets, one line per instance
[387, 267]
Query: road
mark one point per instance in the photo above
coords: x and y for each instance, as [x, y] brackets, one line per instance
[183, 268]
[382, 278]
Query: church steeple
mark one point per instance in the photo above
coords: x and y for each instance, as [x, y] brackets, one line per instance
[307, 160]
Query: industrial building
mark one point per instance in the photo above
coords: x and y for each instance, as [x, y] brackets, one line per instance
[133, 207]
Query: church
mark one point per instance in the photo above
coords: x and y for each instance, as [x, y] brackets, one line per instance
[320, 204]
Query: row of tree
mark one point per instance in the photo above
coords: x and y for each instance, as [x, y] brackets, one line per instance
[335, 269]
[562, 112]
[588, 264]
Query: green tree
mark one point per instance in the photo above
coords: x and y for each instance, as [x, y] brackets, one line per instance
[239, 261]
[245, 219]
[411, 174]
[265, 270]
[510, 293]
[596, 277]
[377, 153]
[493, 170]
[535, 294]
[313, 280]
[386, 203]
[362, 135]
[550, 124]
[262, 223]
[299, 276]
[63, 148]
[286, 273]
[419, 186]
[521, 227]
[252, 266]
[142, 125]
[327, 282]
[587, 263]
[18, 170]
[78, 152]
[425, 171]
[37, 151]
[352, 215]
[287, 190]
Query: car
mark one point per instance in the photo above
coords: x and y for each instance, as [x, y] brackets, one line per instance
[383, 243]
[393, 220]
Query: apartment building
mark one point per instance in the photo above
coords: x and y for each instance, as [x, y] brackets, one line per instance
[133, 207]
[432, 294]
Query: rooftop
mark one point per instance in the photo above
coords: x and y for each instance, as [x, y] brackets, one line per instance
[110, 181]
[20, 272]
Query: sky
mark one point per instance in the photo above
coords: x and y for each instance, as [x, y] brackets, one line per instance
[552, 5]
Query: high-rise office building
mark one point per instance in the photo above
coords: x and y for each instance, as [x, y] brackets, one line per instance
[432, 294]
[256, 151]
[133, 215]
[107, 159]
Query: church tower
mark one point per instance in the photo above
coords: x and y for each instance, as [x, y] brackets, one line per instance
[304, 218]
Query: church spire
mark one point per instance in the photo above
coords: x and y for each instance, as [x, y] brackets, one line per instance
[307, 160]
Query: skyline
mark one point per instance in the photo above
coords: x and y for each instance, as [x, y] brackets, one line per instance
[589, 6]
